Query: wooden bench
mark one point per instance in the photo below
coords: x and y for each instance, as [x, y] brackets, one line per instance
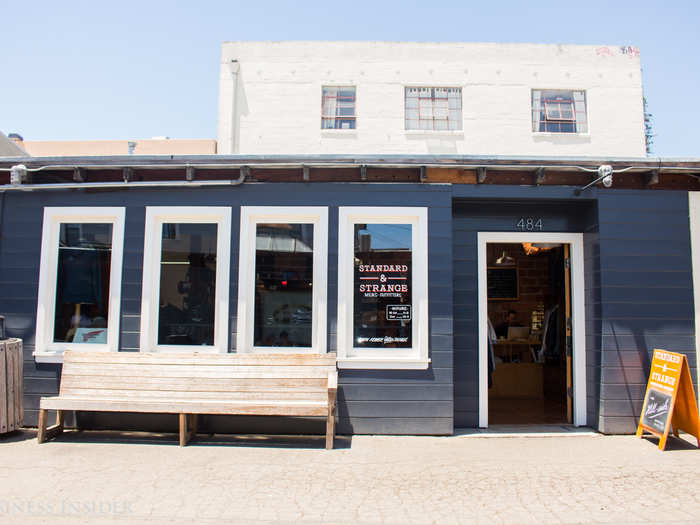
[192, 384]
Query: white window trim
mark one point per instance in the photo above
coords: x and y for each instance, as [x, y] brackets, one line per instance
[46, 350]
[578, 314]
[251, 216]
[432, 131]
[586, 133]
[150, 295]
[374, 358]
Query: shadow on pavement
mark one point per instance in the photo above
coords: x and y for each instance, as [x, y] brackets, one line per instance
[674, 444]
[201, 440]
[17, 435]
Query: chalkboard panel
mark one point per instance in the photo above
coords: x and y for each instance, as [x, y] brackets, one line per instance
[656, 410]
[502, 283]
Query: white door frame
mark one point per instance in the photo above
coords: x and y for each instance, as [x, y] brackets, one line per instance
[578, 316]
[694, 217]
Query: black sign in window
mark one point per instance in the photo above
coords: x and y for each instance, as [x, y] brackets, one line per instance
[382, 286]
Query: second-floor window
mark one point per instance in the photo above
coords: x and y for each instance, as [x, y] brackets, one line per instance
[559, 111]
[433, 108]
[338, 107]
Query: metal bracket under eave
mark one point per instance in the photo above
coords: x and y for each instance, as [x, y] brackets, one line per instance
[127, 174]
[189, 173]
[423, 176]
[305, 172]
[363, 173]
[79, 175]
[651, 178]
[481, 175]
[539, 176]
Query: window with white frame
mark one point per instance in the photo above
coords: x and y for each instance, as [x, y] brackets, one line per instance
[283, 265]
[383, 288]
[184, 301]
[433, 108]
[338, 107]
[559, 111]
[79, 281]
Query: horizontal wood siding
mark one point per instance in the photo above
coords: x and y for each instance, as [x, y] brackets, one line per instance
[369, 401]
[645, 299]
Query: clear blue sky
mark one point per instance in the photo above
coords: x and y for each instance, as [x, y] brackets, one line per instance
[125, 69]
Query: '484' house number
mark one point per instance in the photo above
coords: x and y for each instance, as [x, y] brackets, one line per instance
[529, 224]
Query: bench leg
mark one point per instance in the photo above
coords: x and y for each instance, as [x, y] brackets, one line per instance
[183, 429]
[330, 424]
[41, 434]
[45, 433]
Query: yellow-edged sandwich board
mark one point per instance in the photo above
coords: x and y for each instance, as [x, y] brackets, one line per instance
[670, 399]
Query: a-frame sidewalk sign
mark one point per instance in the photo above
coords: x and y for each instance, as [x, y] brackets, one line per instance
[670, 399]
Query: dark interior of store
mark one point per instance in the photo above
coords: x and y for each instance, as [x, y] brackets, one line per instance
[527, 309]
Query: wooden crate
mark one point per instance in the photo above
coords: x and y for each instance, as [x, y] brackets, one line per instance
[11, 385]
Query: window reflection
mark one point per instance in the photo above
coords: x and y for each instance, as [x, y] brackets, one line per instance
[382, 306]
[283, 285]
[82, 283]
[187, 284]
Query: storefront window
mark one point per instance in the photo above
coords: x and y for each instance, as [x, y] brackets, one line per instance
[184, 301]
[382, 303]
[79, 281]
[383, 288]
[82, 287]
[187, 284]
[283, 284]
[282, 279]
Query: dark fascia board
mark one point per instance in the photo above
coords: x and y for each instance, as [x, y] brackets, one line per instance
[272, 161]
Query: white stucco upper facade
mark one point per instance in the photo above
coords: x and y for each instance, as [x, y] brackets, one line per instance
[270, 97]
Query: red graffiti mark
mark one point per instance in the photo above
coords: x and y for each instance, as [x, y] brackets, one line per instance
[603, 51]
[630, 51]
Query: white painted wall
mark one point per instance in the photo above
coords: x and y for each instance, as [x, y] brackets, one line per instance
[277, 106]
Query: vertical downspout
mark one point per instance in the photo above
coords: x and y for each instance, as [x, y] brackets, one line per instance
[234, 67]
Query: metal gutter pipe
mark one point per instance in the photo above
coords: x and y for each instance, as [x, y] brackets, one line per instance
[124, 185]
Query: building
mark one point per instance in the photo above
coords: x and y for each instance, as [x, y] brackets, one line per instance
[577, 248]
[97, 148]
[271, 96]
[9, 148]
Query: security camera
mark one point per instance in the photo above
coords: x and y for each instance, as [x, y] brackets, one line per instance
[605, 173]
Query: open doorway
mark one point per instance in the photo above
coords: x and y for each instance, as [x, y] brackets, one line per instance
[531, 309]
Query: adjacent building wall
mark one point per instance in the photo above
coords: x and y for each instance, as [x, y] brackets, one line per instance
[270, 97]
[94, 148]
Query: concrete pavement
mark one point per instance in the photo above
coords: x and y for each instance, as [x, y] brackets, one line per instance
[146, 478]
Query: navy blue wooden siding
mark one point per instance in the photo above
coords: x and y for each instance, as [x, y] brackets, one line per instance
[646, 296]
[470, 217]
[638, 287]
[370, 401]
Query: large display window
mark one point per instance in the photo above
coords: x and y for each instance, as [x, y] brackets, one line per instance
[282, 279]
[382, 288]
[79, 281]
[185, 279]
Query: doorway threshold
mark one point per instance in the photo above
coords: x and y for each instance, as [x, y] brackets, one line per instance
[519, 431]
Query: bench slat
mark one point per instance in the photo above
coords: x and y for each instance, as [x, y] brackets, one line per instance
[204, 359]
[213, 384]
[171, 370]
[272, 408]
[185, 396]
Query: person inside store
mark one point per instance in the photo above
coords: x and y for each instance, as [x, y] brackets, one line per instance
[502, 329]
